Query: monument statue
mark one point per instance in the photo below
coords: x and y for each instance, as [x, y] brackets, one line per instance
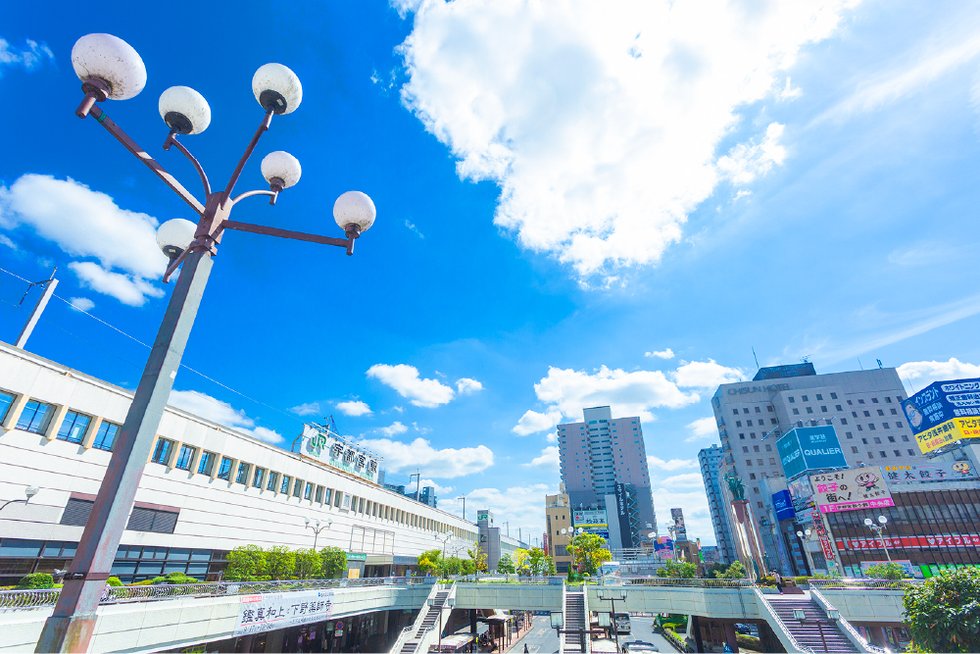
[735, 486]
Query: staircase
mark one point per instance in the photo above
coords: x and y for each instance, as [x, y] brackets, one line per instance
[815, 632]
[425, 630]
[575, 636]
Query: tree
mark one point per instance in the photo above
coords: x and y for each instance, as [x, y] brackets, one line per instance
[308, 563]
[886, 571]
[281, 562]
[451, 565]
[588, 553]
[479, 558]
[429, 561]
[678, 569]
[735, 571]
[549, 565]
[505, 565]
[246, 563]
[333, 562]
[943, 613]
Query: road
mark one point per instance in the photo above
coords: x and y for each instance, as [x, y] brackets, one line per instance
[541, 639]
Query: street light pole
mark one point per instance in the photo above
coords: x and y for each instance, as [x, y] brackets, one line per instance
[463, 497]
[612, 597]
[98, 58]
[804, 536]
[878, 529]
[316, 526]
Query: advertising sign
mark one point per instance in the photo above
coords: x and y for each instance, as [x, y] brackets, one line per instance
[804, 449]
[680, 531]
[663, 547]
[924, 474]
[942, 401]
[911, 542]
[947, 433]
[624, 499]
[280, 610]
[318, 442]
[783, 503]
[589, 518]
[851, 490]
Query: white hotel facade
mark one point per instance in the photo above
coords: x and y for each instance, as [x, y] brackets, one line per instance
[206, 488]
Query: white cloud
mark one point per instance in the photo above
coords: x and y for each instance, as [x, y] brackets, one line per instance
[701, 429]
[406, 381]
[466, 386]
[600, 122]
[420, 429]
[922, 373]
[684, 492]
[28, 58]
[521, 506]
[789, 92]
[354, 408]
[82, 303]
[440, 490]
[660, 354]
[446, 463]
[129, 290]
[656, 462]
[533, 422]
[393, 429]
[684, 480]
[705, 374]
[745, 162]
[6, 242]
[215, 410]
[410, 226]
[123, 241]
[306, 409]
[547, 459]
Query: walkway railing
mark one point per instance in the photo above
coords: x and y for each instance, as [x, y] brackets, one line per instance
[863, 584]
[687, 582]
[32, 599]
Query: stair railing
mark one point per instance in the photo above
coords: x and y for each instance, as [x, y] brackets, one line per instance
[850, 632]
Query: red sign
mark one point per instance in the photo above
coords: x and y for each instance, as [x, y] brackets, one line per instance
[914, 542]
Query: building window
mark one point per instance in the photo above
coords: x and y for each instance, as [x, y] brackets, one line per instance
[833, 396]
[273, 481]
[224, 469]
[154, 520]
[284, 488]
[106, 436]
[298, 488]
[206, 466]
[308, 491]
[809, 409]
[806, 398]
[185, 457]
[874, 400]
[34, 417]
[6, 399]
[823, 409]
[911, 452]
[243, 470]
[74, 427]
[854, 449]
[843, 421]
[792, 400]
[319, 494]
[882, 453]
[162, 452]
[819, 397]
[259, 478]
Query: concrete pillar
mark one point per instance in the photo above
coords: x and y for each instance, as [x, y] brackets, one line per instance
[731, 636]
[93, 430]
[175, 454]
[274, 641]
[54, 424]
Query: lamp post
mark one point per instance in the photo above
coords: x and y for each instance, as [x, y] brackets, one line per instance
[877, 529]
[800, 615]
[463, 497]
[612, 597]
[450, 602]
[110, 68]
[804, 536]
[316, 526]
[445, 539]
[29, 492]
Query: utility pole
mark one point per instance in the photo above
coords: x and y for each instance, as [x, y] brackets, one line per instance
[418, 482]
[463, 497]
[49, 285]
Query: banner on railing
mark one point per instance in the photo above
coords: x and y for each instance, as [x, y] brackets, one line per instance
[280, 610]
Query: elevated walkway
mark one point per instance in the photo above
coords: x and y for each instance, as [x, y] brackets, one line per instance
[419, 636]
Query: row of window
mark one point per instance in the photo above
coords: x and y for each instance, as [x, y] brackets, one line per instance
[37, 415]
[249, 475]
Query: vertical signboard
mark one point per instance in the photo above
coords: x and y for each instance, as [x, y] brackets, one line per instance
[680, 530]
[782, 502]
[806, 449]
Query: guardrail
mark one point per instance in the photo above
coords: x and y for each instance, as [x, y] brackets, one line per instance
[32, 599]
[687, 582]
[863, 584]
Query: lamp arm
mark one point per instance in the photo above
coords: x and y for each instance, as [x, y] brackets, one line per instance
[103, 119]
[4, 505]
[172, 140]
[286, 233]
[248, 194]
[266, 121]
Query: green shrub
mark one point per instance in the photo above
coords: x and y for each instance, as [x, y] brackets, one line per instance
[36, 580]
[113, 581]
[174, 578]
[748, 641]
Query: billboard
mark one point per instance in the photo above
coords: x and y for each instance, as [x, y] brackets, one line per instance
[940, 402]
[323, 445]
[928, 473]
[947, 433]
[680, 531]
[783, 503]
[804, 449]
[851, 490]
[589, 518]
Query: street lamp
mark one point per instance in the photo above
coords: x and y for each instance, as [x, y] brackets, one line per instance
[29, 492]
[804, 536]
[612, 597]
[877, 529]
[445, 538]
[110, 68]
[450, 602]
[316, 526]
[463, 497]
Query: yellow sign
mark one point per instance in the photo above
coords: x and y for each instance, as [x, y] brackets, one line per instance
[948, 432]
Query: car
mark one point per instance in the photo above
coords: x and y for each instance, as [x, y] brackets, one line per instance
[622, 621]
[639, 646]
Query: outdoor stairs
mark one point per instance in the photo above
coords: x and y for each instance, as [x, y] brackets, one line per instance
[816, 632]
[576, 631]
[423, 632]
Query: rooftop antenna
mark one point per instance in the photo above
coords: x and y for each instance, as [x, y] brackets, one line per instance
[806, 359]
[860, 364]
[755, 356]
[880, 366]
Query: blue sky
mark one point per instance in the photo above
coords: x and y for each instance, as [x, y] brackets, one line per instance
[577, 205]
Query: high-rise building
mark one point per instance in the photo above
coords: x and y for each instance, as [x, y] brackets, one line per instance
[863, 406]
[710, 459]
[559, 529]
[600, 452]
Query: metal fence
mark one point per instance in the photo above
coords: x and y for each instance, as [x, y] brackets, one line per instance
[13, 600]
[863, 584]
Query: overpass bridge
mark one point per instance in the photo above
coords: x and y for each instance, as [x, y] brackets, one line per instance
[152, 618]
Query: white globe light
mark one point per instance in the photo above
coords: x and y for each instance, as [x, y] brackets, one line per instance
[868, 522]
[174, 236]
[281, 165]
[354, 208]
[184, 110]
[112, 61]
[277, 88]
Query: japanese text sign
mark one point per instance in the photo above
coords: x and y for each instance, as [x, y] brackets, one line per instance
[851, 490]
[280, 610]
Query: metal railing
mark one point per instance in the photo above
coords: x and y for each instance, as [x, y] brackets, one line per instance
[797, 646]
[32, 599]
[687, 582]
[854, 636]
[863, 584]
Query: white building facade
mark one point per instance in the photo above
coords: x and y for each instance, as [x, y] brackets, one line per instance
[206, 488]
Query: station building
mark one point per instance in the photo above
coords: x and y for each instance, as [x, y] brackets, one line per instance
[206, 489]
